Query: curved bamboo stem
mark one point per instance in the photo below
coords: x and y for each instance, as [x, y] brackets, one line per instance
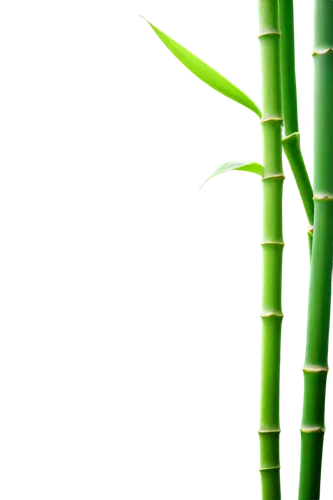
[292, 142]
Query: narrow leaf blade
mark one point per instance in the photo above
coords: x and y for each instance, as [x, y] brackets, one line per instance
[252, 167]
[207, 74]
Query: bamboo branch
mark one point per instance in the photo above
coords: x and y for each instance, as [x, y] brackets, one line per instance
[291, 142]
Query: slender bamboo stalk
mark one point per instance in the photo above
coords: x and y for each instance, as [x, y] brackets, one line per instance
[288, 75]
[316, 367]
[291, 141]
[272, 250]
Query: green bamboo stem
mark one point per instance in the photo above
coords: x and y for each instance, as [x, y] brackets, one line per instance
[292, 149]
[291, 141]
[272, 250]
[288, 75]
[316, 366]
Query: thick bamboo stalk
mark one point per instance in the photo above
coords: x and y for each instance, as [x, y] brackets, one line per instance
[272, 249]
[316, 367]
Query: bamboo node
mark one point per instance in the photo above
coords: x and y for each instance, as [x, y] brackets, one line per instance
[323, 197]
[268, 431]
[274, 176]
[291, 136]
[322, 52]
[263, 469]
[281, 243]
[315, 368]
[271, 119]
[269, 33]
[269, 314]
[307, 430]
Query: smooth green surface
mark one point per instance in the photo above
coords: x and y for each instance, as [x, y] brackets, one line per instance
[312, 445]
[272, 250]
[288, 74]
[315, 374]
[205, 72]
[270, 481]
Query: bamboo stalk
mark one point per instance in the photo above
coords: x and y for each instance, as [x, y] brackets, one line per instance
[316, 366]
[288, 75]
[272, 250]
[291, 141]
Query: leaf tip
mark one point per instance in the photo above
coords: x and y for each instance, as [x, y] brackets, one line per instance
[202, 185]
[146, 19]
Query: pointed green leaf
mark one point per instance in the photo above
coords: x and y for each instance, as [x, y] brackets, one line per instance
[255, 168]
[205, 72]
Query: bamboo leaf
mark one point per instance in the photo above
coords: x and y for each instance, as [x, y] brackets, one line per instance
[255, 168]
[205, 72]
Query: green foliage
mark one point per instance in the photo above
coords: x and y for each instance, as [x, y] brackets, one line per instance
[202, 70]
[228, 166]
